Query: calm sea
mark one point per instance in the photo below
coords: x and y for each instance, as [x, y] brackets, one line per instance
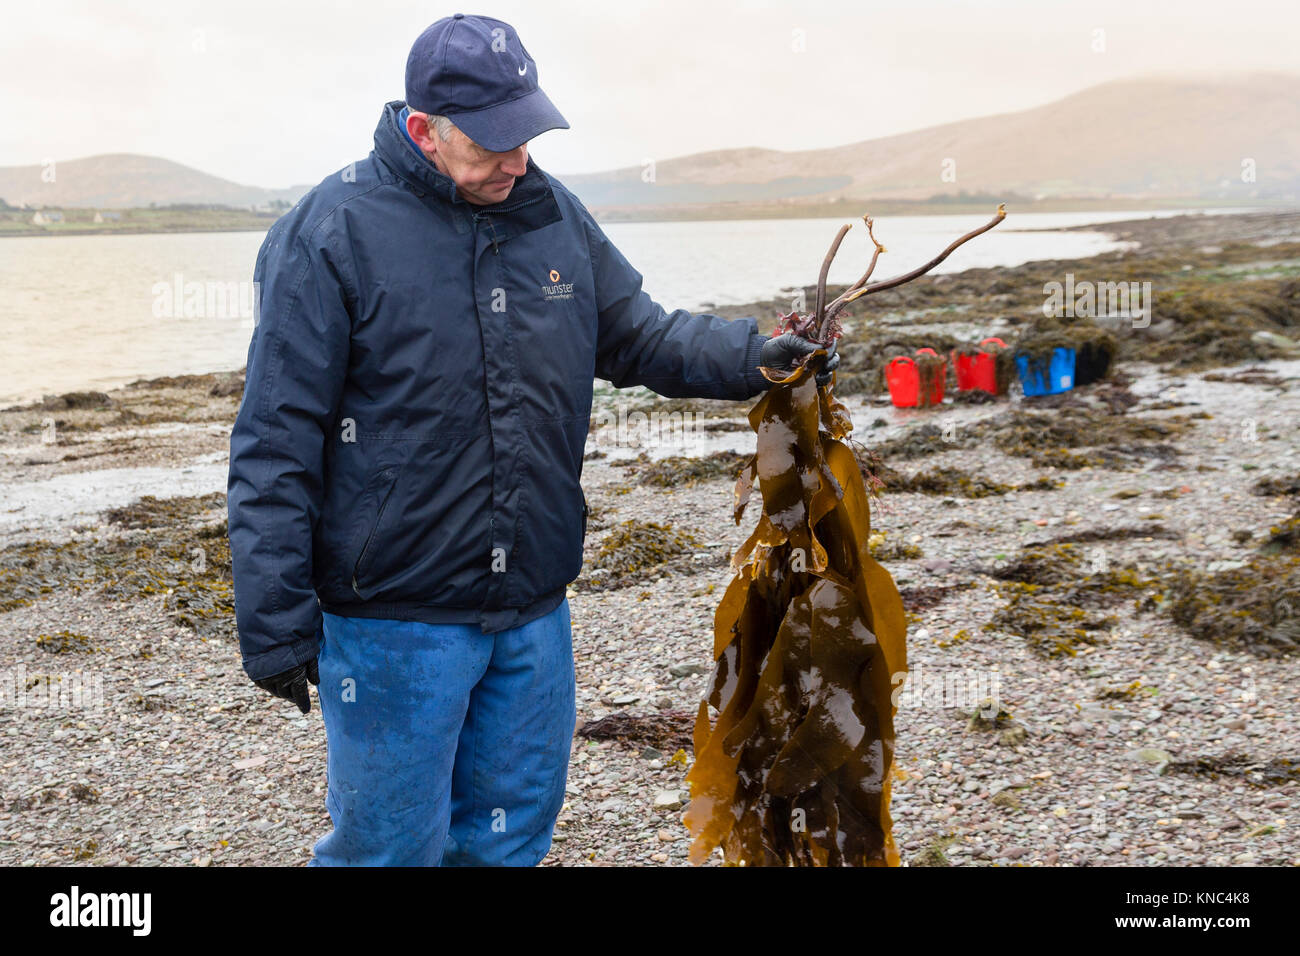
[93, 312]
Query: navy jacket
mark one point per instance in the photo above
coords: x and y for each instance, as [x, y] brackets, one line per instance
[418, 394]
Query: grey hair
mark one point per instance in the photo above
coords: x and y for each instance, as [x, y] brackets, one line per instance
[444, 127]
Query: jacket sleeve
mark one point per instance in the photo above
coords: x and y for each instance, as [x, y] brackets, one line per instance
[297, 362]
[677, 354]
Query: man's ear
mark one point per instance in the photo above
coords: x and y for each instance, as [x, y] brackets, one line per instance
[417, 125]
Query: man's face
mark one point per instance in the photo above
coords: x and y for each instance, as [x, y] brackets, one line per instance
[481, 176]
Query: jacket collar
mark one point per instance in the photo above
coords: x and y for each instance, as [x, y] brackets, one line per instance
[530, 205]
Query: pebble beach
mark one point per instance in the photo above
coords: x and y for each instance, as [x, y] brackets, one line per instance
[1137, 735]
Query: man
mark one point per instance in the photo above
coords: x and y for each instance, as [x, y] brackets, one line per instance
[404, 497]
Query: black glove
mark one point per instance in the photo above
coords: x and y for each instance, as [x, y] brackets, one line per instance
[783, 351]
[292, 684]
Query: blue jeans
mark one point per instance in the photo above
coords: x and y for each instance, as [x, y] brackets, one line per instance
[447, 746]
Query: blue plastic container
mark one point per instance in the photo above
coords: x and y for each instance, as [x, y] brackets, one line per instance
[1058, 376]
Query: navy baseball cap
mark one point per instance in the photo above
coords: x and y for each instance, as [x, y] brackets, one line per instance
[474, 71]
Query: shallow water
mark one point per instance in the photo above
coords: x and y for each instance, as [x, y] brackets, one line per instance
[78, 497]
[94, 312]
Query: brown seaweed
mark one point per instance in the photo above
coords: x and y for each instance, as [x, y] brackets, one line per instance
[809, 639]
[667, 732]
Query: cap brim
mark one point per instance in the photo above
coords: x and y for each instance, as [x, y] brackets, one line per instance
[508, 126]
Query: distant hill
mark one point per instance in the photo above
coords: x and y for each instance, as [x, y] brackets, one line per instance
[127, 180]
[1146, 138]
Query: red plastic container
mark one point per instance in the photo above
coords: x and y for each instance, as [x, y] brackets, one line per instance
[978, 371]
[904, 380]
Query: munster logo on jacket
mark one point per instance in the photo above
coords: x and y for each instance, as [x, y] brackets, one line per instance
[557, 289]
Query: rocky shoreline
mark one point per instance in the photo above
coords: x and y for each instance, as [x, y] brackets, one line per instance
[1050, 553]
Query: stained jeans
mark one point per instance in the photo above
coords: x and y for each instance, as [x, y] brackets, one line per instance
[447, 746]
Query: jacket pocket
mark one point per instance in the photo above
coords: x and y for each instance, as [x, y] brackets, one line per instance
[585, 512]
[386, 481]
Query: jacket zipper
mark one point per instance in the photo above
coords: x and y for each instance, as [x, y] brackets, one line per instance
[356, 568]
[496, 250]
[480, 216]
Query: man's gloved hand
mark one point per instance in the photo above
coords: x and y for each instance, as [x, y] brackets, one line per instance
[292, 684]
[783, 351]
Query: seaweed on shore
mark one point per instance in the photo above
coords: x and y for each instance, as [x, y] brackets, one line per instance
[1213, 305]
[1254, 772]
[958, 483]
[173, 554]
[1053, 594]
[32, 569]
[791, 771]
[884, 548]
[1253, 607]
[667, 732]
[796, 769]
[1284, 536]
[151, 512]
[1052, 627]
[1111, 441]
[1055, 600]
[1215, 322]
[1108, 533]
[924, 597]
[65, 642]
[675, 470]
[75, 400]
[187, 398]
[1068, 438]
[633, 551]
[925, 439]
[1247, 376]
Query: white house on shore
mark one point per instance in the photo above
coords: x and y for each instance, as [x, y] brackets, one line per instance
[46, 216]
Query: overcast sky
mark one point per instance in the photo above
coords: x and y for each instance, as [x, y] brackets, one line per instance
[278, 92]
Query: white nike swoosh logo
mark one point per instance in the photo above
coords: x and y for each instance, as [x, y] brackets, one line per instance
[524, 70]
